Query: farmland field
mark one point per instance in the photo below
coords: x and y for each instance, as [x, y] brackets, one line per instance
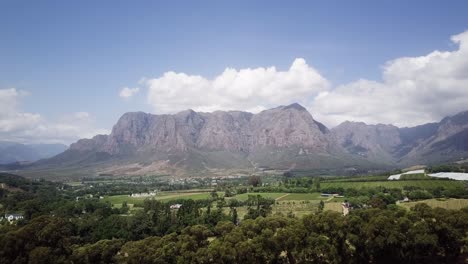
[356, 179]
[455, 204]
[244, 196]
[302, 196]
[415, 177]
[333, 207]
[425, 184]
[295, 207]
[165, 196]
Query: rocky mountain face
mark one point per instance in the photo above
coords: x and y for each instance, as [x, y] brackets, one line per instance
[447, 141]
[424, 144]
[285, 137]
[236, 131]
[192, 141]
[373, 142]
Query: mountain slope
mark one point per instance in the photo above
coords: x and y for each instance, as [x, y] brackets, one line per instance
[203, 143]
[16, 152]
[448, 141]
[226, 142]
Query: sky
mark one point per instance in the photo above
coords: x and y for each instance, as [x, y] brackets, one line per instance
[70, 69]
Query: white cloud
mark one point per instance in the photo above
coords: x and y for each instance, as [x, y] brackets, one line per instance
[19, 126]
[128, 92]
[414, 90]
[245, 89]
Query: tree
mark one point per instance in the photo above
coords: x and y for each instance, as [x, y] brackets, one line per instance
[228, 193]
[124, 208]
[258, 206]
[214, 195]
[255, 180]
[287, 175]
[321, 206]
[317, 183]
[102, 251]
[234, 217]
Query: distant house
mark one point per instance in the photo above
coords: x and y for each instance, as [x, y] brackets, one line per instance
[331, 194]
[175, 206]
[147, 194]
[13, 217]
[345, 206]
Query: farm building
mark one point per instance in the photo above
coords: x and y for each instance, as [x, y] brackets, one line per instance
[346, 206]
[13, 217]
[176, 206]
[459, 176]
[397, 176]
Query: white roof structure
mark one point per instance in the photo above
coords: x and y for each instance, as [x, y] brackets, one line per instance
[394, 177]
[459, 176]
[175, 206]
[397, 176]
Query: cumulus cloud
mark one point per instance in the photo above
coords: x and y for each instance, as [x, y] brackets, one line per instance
[245, 89]
[128, 92]
[19, 126]
[413, 90]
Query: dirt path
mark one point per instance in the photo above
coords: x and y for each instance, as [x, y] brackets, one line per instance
[277, 199]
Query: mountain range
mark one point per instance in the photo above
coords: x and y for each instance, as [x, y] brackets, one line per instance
[16, 152]
[230, 142]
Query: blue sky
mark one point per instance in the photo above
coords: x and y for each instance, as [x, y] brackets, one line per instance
[76, 56]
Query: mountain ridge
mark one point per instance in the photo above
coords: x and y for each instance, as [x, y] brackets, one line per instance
[284, 137]
[17, 152]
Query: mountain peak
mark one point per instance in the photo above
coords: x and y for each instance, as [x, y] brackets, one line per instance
[295, 106]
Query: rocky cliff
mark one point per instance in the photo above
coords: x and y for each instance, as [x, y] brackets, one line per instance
[285, 137]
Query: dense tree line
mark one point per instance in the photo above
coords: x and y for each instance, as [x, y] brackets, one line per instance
[60, 229]
[395, 235]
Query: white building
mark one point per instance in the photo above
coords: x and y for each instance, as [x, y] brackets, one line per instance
[13, 217]
[397, 176]
[345, 206]
[459, 176]
[148, 194]
[176, 206]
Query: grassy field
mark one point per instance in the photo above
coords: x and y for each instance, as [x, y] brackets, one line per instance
[244, 196]
[455, 204]
[164, 196]
[302, 196]
[356, 179]
[334, 206]
[297, 208]
[425, 184]
[415, 177]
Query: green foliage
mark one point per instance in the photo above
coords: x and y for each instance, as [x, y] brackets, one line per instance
[258, 206]
[255, 181]
[103, 251]
[61, 229]
[321, 206]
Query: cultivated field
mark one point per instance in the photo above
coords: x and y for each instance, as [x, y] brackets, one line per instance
[305, 203]
[425, 184]
[333, 206]
[245, 196]
[303, 196]
[455, 204]
[163, 196]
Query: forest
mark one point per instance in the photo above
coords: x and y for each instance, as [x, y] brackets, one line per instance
[58, 228]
